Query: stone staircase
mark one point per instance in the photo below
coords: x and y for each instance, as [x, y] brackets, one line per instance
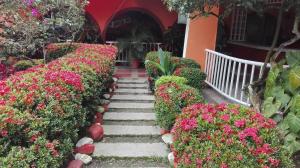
[131, 137]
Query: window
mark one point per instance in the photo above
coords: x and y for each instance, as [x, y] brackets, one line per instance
[238, 25]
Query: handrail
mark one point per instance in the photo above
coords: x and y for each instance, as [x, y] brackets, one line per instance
[229, 75]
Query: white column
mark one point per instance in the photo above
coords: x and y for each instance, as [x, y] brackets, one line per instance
[186, 38]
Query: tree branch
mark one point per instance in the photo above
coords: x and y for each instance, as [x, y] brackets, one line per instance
[291, 41]
[275, 39]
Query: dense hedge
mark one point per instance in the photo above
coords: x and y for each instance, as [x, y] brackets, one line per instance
[194, 76]
[42, 108]
[227, 136]
[181, 64]
[170, 98]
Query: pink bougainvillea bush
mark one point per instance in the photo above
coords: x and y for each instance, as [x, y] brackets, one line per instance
[227, 136]
[43, 108]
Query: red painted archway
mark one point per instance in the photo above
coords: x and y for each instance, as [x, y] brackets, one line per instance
[104, 11]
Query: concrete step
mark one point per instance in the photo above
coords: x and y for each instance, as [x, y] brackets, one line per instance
[132, 91]
[129, 163]
[131, 150]
[129, 116]
[132, 139]
[124, 85]
[118, 105]
[130, 123]
[125, 130]
[132, 80]
[130, 110]
[133, 97]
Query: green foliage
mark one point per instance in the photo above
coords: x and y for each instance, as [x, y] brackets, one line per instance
[31, 25]
[207, 7]
[170, 79]
[42, 109]
[165, 65]
[57, 50]
[282, 99]
[188, 63]
[151, 69]
[25, 64]
[170, 98]
[207, 135]
[194, 76]
[134, 42]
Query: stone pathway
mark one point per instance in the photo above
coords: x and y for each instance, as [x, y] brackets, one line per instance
[131, 137]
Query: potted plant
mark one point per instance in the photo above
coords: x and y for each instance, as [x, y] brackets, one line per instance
[134, 44]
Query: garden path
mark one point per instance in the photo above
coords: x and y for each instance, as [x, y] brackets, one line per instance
[131, 137]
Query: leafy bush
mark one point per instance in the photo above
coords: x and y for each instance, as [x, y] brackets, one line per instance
[25, 64]
[165, 65]
[57, 50]
[227, 136]
[282, 100]
[43, 107]
[188, 63]
[168, 79]
[170, 98]
[194, 76]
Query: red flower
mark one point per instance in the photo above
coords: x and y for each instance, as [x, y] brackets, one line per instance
[207, 117]
[223, 165]
[225, 117]
[240, 123]
[4, 133]
[227, 129]
[189, 124]
[274, 162]
[265, 149]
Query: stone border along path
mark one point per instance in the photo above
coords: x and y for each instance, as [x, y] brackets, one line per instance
[131, 138]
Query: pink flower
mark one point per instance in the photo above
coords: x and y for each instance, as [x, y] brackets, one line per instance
[4, 133]
[274, 162]
[225, 117]
[249, 132]
[234, 111]
[223, 165]
[207, 117]
[227, 129]
[188, 124]
[265, 149]
[240, 123]
[221, 107]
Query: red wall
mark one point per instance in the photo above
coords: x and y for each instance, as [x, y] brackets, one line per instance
[103, 11]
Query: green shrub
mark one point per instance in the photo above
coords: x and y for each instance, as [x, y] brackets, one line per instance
[227, 136]
[170, 98]
[57, 50]
[196, 78]
[282, 94]
[23, 65]
[151, 69]
[172, 79]
[188, 63]
[166, 65]
[42, 109]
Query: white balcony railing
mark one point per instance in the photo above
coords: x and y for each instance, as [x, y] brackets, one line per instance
[123, 57]
[229, 75]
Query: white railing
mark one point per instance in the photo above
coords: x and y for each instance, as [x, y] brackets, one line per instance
[229, 75]
[123, 57]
